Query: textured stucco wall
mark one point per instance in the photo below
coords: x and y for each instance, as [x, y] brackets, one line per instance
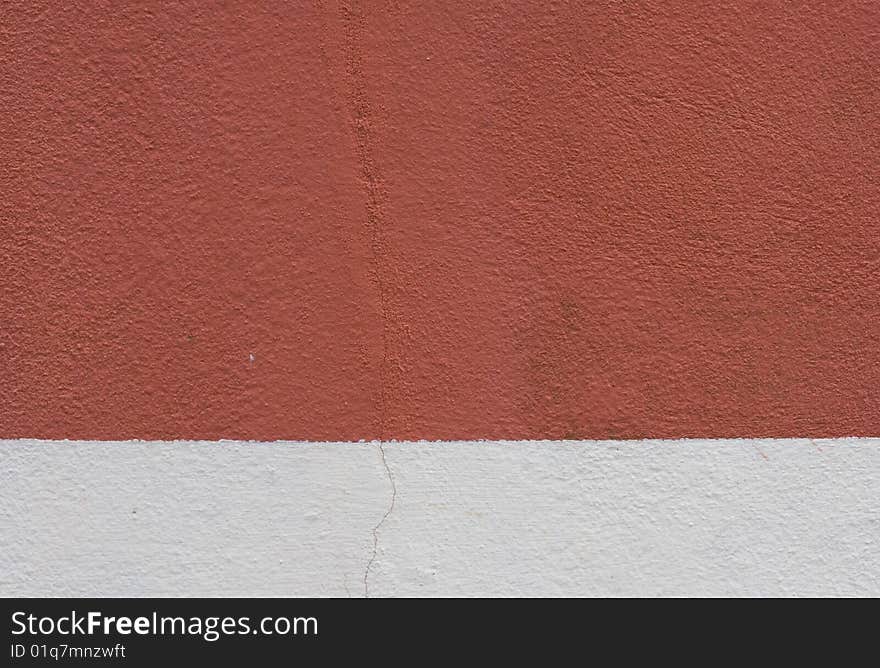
[756, 517]
[357, 220]
[344, 221]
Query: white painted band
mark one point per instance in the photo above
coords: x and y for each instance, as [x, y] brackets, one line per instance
[693, 517]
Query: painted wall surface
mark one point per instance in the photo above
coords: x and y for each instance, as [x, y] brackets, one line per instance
[643, 518]
[342, 221]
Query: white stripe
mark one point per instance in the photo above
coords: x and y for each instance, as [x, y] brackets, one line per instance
[694, 517]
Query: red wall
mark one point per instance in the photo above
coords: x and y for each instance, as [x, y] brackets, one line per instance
[449, 220]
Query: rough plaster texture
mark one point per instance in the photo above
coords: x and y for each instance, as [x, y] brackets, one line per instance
[741, 517]
[339, 221]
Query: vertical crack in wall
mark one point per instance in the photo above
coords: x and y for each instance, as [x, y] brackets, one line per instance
[392, 387]
[384, 274]
[378, 526]
[360, 108]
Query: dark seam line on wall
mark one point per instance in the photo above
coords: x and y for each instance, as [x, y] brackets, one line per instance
[382, 521]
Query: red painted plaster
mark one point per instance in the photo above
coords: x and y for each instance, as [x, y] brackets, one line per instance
[439, 220]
